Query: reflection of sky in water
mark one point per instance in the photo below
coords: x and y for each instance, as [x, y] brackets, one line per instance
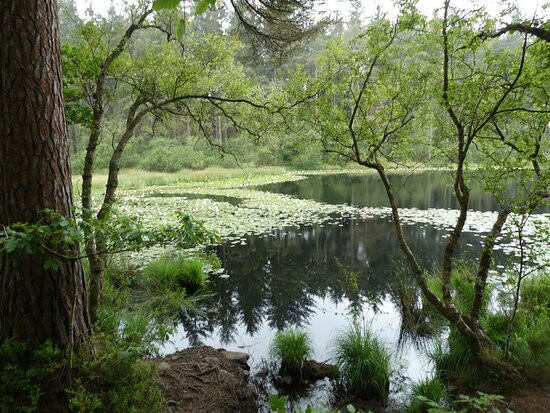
[325, 323]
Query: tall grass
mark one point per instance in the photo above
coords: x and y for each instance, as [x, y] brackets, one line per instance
[432, 389]
[167, 289]
[535, 294]
[168, 273]
[364, 362]
[292, 348]
[462, 286]
[454, 361]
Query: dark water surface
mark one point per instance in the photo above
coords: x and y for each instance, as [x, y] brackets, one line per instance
[422, 190]
[317, 277]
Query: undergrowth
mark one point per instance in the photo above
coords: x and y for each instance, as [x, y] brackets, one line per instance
[433, 389]
[103, 375]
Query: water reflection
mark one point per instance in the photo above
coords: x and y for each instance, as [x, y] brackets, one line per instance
[315, 277]
[421, 190]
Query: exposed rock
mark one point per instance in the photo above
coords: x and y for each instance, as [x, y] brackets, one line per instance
[311, 371]
[314, 370]
[203, 379]
[236, 356]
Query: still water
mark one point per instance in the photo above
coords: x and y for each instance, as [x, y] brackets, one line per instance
[319, 277]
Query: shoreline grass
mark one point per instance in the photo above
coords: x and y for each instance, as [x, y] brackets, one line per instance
[293, 349]
[364, 363]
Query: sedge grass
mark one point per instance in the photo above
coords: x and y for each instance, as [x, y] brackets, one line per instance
[292, 348]
[364, 362]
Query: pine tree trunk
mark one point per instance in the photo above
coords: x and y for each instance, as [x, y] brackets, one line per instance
[35, 304]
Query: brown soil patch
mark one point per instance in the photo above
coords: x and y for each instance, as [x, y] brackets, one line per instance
[530, 400]
[202, 379]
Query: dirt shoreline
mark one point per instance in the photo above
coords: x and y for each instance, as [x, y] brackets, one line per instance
[203, 379]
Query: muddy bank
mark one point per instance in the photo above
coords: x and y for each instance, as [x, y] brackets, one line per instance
[203, 379]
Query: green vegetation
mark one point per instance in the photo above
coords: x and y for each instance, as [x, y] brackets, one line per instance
[293, 349]
[104, 377]
[107, 372]
[169, 273]
[166, 101]
[525, 344]
[135, 178]
[277, 405]
[480, 403]
[433, 389]
[364, 363]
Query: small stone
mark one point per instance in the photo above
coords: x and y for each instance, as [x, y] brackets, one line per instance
[262, 373]
[236, 356]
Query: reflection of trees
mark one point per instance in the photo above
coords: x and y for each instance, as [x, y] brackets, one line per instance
[423, 190]
[279, 278]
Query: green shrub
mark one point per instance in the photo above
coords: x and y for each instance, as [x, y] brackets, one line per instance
[167, 273]
[292, 348]
[169, 155]
[121, 274]
[28, 377]
[112, 378]
[106, 377]
[481, 403]
[536, 361]
[462, 287]
[364, 362]
[432, 389]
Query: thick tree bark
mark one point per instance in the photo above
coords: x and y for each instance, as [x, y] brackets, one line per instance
[35, 304]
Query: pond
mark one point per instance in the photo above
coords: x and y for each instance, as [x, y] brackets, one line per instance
[319, 276]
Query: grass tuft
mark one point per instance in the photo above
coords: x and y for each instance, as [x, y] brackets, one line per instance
[432, 389]
[292, 348]
[364, 362]
[167, 273]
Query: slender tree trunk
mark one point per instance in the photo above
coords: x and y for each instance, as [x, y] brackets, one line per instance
[35, 304]
[98, 108]
[471, 331]
[98, 257]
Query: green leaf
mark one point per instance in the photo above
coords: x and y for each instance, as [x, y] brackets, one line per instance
[10, 245]
[277, 403]
[180, 30]
[202, 6]
[351, 408]
[51, 264]
[165, 4]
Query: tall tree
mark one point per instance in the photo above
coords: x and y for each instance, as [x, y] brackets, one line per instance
[495, 102]
[36, 304]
